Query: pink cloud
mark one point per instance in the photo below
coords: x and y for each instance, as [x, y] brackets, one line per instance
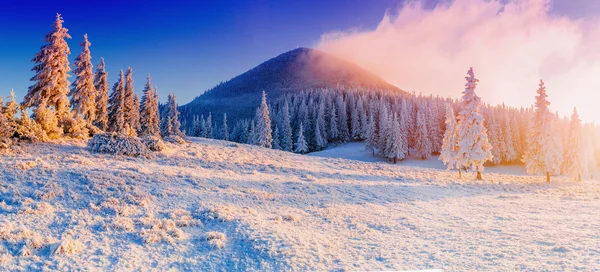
[511, 46]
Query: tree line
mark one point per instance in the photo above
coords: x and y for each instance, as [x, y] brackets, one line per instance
[83, 108]
[395, 126]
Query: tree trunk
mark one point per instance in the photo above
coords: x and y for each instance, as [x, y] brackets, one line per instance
[394, 160]
[479, 175]
[547, 176]
[459, 173]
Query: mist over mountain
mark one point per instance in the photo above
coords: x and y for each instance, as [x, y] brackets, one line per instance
[293, 71]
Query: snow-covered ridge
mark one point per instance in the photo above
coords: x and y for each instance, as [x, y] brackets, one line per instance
[215, 205]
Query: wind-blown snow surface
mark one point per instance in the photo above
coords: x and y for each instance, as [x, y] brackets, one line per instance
[212, 205]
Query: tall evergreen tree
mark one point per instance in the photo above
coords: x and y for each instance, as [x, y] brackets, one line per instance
[209, 127]
[172, 127]
[474, 148]
[371, 141]
[131, 114]
[449, 153]
[263, 135]
[83, 91]
[225, 128]
[11, 108]
[394, 149]
[149, 114]
[574, 152]
[301, 145]
[101, 85]
[51, 79]
[286, 127]
[276, 143]
[423, 144]
[543, 153]
[116, 111]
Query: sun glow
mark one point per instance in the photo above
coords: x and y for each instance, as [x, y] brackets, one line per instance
[512, 46]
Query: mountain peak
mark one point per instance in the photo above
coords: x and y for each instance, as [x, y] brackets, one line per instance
[295, 70]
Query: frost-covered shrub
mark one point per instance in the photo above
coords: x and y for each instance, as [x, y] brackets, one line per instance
[174, 139]
[76, 127]
[28, 130]
[215, 239]
[163, 230]
[123, 223]
[50, 191]
[220, 213]
[153, 143]
[113, 143]
[68, 246]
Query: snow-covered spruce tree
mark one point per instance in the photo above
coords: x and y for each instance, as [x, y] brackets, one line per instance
[11, 108]
[209, 127]
[149, 116]
[116, 106]
[172, 127]
[301, 145]
[225, 128]
[509, 153]
[333, 124]
[276, 143]
[134, 117]
[574, 151]
[202, 131]
[344, 132]
[101, 85]
[474, 148]
[355, 122]
[6, 130]
[51, 76]
[286, 127]
[364, 119]
[543, 154]
[251, 133]
[422, 140]
[371, 141]
[449, 153]
[404, 125]
[83, 91]
[383, 127]
[131, 114]
[320, 136]
[495, 135]
[48, 121]
[394, 149]
[29, 130]
[263, 135]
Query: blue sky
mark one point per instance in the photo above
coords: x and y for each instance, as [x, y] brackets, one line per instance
[187, 46]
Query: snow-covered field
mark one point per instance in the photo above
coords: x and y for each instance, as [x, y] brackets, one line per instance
[212, 205]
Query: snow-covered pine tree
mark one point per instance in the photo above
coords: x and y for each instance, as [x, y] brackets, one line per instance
[543, 154]
[301, 145]
[48, 121]
[383, 127]
[422, 140]
[395, 143]
[404, 125]
[83, 92]
[11, 108]
[264, 135]
[116, 102]
[509, 153]
[150, 118]
[371, 141]
[344, 132]
[473, 145]
[355, 122]
[495, 135]
[6, 130]
[134, 117]
[225, 128]
[286, 129]
[202, 131]
[333, 124]
[209, 127]
[251, 133]
[574, 152]
[276, 143]
[449, 153]
[172, 126]
[320, 135]
[101, 85]
[364, 120]
[51, 79]
[130, 113]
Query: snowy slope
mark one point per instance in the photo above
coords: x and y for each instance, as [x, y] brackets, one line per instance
[212, 205]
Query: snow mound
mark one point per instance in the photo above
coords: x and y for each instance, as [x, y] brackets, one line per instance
[113, 143]
[153, 143]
